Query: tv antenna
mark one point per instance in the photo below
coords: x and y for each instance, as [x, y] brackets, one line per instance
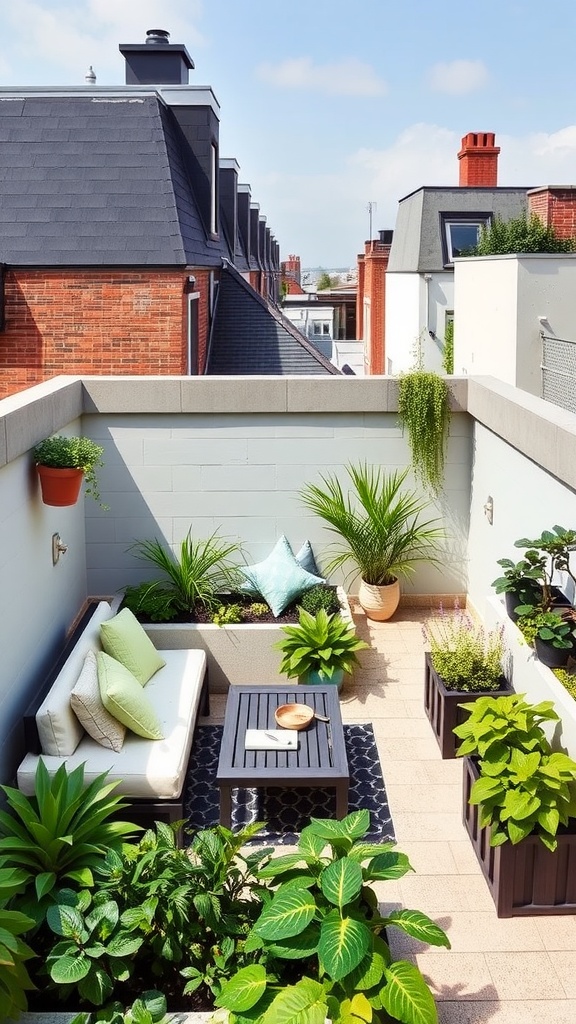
[371, 207]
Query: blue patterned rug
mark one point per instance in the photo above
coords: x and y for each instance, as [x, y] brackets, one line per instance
[287, 811]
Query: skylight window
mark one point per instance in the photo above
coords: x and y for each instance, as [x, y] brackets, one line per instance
[461, 234]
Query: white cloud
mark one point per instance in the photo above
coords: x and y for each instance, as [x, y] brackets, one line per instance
[70, 36]
[458, 76]
[348, 77]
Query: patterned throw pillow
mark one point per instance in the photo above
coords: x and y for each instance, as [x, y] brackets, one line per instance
[87, 705]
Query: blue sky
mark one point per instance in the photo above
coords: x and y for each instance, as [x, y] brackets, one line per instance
[331, 104]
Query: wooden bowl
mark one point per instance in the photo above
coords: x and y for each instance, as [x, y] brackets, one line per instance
[294, 716]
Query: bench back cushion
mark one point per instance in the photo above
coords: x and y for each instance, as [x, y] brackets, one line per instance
[59, 730]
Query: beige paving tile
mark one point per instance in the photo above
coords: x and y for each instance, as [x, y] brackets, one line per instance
[420, 748]
[465, 858]
[377, 706]
[558, 932]
[564, 964]
[419, 799]
[526, 975]
[428, 826]
[429, 858]
[417, 773]
[542, 1011]
[445, 894]
[483, 931]
[404, 727]
[458, 976]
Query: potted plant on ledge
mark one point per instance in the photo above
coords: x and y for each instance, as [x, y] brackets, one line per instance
[62, 464]
[382, 533]
[320, 649]
[464, 661]
[519, 806]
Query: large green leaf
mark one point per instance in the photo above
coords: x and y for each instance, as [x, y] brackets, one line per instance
[278, 865]
[310, 845]
[341, 882]
[353, 826]
[243, 990]
[288, 914]
[343, 944]
[419, 926]
[124, 944]
[66, 921]
[70, 969]
[388, 865]
[407, 996]
[298, 947]
[303, 1003]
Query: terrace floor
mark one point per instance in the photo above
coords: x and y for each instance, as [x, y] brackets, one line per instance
[514, 971]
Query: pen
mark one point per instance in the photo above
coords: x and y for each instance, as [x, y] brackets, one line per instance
[271, 736]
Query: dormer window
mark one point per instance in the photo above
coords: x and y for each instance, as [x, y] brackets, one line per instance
[460, 233]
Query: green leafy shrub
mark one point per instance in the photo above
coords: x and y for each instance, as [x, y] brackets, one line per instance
[15, 981]
[551, 553]
[524, 787]
[150, 1008]
[568, 680]
[152, 601]
[227, 614]
[320, 596]
[202, 571]
[259, 608]
[319, 643]
[325, 915]
[59, 834]
[553, 629]
[519, 235]
[465, 655]
[448, 350]
[424, 411]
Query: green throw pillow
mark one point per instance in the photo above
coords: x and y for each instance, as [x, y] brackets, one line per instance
[124, 639]
[123, 696]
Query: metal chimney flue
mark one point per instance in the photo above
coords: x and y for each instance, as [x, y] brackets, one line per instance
[157, 36]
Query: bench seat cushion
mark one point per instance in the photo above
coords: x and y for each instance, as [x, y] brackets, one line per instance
[144, 769]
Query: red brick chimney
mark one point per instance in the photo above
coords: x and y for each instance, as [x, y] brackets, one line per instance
[371, 302]
[556, 207]
[479, 160]
[291, 276]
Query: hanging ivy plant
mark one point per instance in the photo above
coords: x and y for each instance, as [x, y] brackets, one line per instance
[448, 352]
[424, 411]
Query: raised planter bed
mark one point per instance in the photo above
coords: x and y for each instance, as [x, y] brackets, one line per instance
[526, 879]
[441, 706]
[242, 653]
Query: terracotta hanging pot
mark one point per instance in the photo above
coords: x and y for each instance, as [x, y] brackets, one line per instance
[379, 603]
[60, 486]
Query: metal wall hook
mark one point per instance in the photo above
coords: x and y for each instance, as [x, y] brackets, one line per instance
[58, 548]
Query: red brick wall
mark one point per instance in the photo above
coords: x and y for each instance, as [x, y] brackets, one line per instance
[556, 208]
[479, 160]
[375, 264]
[95, 322]
[360, 299]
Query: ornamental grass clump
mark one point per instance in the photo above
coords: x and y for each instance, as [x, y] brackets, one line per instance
[466, 656]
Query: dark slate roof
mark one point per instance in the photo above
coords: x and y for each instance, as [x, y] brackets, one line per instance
[96, 181]
[250, 336]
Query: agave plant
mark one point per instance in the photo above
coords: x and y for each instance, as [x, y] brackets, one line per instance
[202, 571]
[380, 525]
[59, 833]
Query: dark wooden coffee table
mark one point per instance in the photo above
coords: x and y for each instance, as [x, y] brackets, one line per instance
[319, 761]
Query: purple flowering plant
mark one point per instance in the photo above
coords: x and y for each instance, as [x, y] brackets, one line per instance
[466, 655]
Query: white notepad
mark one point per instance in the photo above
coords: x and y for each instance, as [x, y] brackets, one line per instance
[271, 739]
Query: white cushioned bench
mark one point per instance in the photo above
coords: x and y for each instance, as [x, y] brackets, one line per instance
[149, 773]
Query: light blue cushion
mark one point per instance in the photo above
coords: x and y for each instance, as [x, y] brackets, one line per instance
[306, 558]
[280, 578]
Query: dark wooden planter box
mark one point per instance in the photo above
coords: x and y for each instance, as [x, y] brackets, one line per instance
[525, 880]
[441, 706]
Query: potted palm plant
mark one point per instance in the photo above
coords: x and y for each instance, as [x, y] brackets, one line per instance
[519, 806]
[382, 532]
[464, 661]
[319, 649]
[63, 463]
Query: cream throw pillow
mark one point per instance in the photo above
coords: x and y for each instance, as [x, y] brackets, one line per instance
[87, 705]
[123, 696]
[124, 639]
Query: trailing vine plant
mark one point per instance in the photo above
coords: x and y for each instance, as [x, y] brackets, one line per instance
[424, 412]
[448, 350]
